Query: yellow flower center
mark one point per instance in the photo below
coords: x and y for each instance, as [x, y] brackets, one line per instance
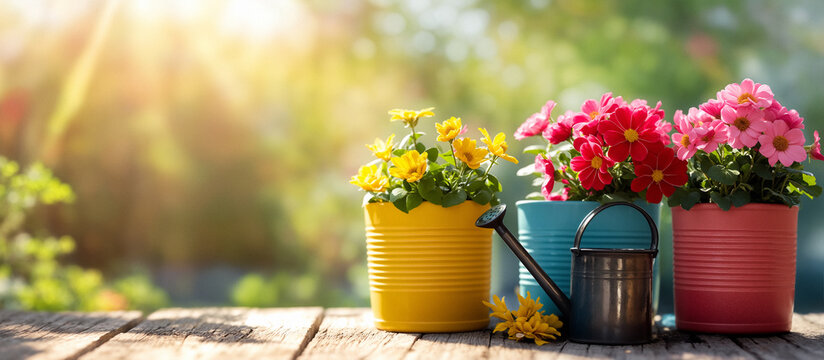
[657, 175]
[746, 97]
[742, 123]
[685, 140]
[596, 162]
[631, 135]
[593, 114]
[780, 143]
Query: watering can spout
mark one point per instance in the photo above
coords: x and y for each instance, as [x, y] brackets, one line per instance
[494, 219]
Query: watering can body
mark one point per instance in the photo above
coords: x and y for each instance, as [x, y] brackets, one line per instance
[611, 289]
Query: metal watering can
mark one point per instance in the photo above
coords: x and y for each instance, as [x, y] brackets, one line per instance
[611, 293]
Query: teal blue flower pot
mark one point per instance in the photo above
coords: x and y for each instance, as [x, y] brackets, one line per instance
[547, 231]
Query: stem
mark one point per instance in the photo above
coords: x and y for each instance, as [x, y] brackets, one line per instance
[486, 173]
[414, 138]
[452, 150]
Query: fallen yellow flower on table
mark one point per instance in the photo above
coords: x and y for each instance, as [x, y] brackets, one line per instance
[527, 322]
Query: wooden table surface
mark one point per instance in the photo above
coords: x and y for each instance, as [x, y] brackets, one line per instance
[309, 333]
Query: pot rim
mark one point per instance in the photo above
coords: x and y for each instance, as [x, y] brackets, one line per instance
[713, 206]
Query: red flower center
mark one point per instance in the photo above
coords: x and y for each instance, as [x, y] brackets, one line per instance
[631, 135]
[746, 97]
[596, 162]
[780, 143]
[742, 123]
[657, 175]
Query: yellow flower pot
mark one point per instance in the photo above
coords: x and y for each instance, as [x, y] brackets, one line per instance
[429, 270]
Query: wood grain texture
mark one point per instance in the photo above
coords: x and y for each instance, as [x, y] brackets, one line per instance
[64, 335]
[463, 345]
[351, 334]
[215, 333]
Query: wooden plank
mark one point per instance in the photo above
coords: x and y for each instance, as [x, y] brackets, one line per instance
[215, 333]
[502, 348]
[64, 335]
[463, 345]
[351, 334]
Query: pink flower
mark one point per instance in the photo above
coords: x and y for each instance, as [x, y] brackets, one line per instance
[709, 135]
[748, 93]
[545, 166]
[684, 145]
[793, 120]
[562, 196]
[712, 107]
[815, 149]
[561, 130]
[534, 125]
[592, 166]
[781, 143]
[627, 132]
[592, 112]
[663, 128]
[746, 125]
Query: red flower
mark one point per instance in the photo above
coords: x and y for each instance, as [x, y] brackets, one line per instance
[545, 167]
[628, 132]
[560, 131]
[815, 149]
[592, 167]
[659, 173]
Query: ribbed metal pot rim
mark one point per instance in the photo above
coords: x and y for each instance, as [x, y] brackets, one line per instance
[613, 251]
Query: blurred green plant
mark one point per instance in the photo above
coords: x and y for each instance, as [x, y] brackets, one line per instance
[31, 275]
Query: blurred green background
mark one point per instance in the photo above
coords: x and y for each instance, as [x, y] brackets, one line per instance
[209, 143]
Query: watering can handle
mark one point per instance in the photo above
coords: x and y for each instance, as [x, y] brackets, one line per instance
[653, 229]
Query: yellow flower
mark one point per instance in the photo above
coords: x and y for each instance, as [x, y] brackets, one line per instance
[410, 166]
[533, 328]
[381, 149]
[499, 309]
[526, 323]
[449, 129]
[528, 306]
[467, 152]
[370, 179]
[497, 146]
[410, 117]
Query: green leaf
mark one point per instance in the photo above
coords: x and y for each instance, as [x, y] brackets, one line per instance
[396, 194]
[535, 149]
[412, 201]
[432, 154]
[676, 197]
[526, 170]
[421, 148]
[723, 202]
[722, 175]
[705, 163]
[367, 198]
[809, 179]
[475, 186]
[764, 171]
[690, 199]
[535, 196]
[430, 191]
[495, 184]
[398, 152]
[400, 203]
[454, 198]
[482, 197]
[740, 198]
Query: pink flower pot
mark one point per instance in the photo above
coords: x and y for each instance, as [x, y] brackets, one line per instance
[734, 271]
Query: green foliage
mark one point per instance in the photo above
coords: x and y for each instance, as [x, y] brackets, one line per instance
[735, 177]
[31, 276]
[448, 180]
